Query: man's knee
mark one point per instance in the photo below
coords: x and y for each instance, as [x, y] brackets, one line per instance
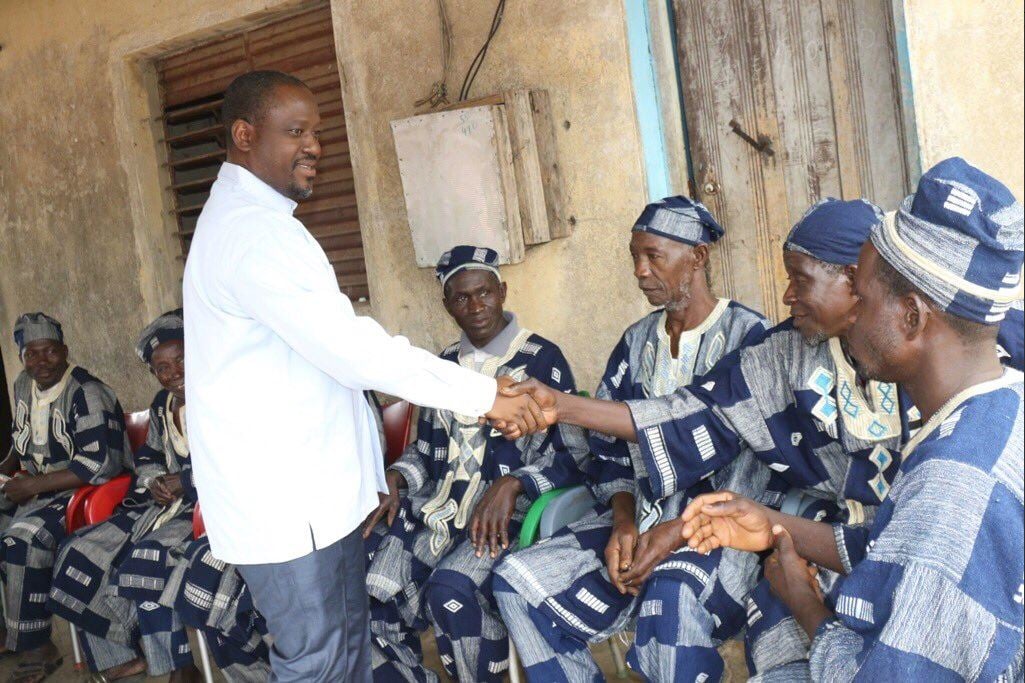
[23, 535]
[453, 603]
[508, 600]
[666, 603]
[675, 634]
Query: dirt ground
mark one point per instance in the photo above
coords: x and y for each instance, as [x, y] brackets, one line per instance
[732, 652]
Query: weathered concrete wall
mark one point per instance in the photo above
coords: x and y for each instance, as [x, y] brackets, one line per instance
[83, 226]
[65, 238]
[577, 291]
[84, 230]
[967, 71]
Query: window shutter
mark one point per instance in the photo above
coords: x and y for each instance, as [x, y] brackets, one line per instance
[192, 87]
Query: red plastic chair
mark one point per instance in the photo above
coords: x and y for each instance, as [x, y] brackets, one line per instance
[137, 426]
[398, 423]
[75, 516]
[198, 528]
[101, 503]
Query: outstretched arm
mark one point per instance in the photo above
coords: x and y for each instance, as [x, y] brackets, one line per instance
[609, 417]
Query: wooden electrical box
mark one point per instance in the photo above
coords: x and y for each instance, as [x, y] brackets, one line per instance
[482, 172]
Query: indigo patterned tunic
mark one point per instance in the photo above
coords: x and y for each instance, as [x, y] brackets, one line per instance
[934, 587]
[423, 570]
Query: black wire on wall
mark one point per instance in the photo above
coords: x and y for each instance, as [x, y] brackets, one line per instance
[478, 60]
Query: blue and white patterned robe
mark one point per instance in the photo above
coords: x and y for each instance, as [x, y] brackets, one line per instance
[563, 580]
[798, 406]
[424, 569]
[934, 589]
[86, 436]
[803, 412]
[108, 577]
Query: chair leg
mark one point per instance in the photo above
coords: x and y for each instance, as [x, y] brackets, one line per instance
[204, 657]
[514, 664]
[617, 658]
[76, 648]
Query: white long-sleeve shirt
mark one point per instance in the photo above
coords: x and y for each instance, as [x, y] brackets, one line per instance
[286, 454]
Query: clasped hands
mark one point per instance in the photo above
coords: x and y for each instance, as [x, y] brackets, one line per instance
[166, 488]
[723, 520]
[727, 520]
[522, 408]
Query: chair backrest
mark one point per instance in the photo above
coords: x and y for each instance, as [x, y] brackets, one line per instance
[101, 503]
[198, 527]
[565, 509]
[137, 426]
[74, 518]
[398, 423]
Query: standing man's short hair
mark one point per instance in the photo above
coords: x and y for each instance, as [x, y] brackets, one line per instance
[247, 96]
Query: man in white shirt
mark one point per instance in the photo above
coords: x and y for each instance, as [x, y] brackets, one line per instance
[264, 318]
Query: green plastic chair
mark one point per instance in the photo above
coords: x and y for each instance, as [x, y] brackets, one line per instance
[529, 533]
[532, 522]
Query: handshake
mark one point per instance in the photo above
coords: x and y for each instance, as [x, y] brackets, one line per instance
[523, 408]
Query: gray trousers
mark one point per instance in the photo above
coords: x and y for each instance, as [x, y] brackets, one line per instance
[317, 613]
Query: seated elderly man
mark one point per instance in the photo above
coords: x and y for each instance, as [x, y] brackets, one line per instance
[794, 399]
[68, 431]
[572, 580]
[933, 588]
[459, 493]
[108, 577]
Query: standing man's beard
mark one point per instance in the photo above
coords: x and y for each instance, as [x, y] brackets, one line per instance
[298, 194]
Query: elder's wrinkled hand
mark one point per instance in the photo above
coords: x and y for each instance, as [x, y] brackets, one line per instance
[653, 546]
[619, 551]
[20, 489]
[160, 491]
[791, 577]
[726, 520]
[489, 525]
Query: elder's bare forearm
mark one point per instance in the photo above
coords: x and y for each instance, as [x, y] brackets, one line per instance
[609, 417]
[814, 541]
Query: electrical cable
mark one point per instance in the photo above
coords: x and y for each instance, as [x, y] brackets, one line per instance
[478, 60]
[439, 91]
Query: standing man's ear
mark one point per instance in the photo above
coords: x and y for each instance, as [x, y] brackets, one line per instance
[242, 134]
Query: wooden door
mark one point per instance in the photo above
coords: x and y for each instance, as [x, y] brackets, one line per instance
[786, 102]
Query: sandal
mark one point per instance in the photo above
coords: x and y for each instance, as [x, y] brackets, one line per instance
[35, 671]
